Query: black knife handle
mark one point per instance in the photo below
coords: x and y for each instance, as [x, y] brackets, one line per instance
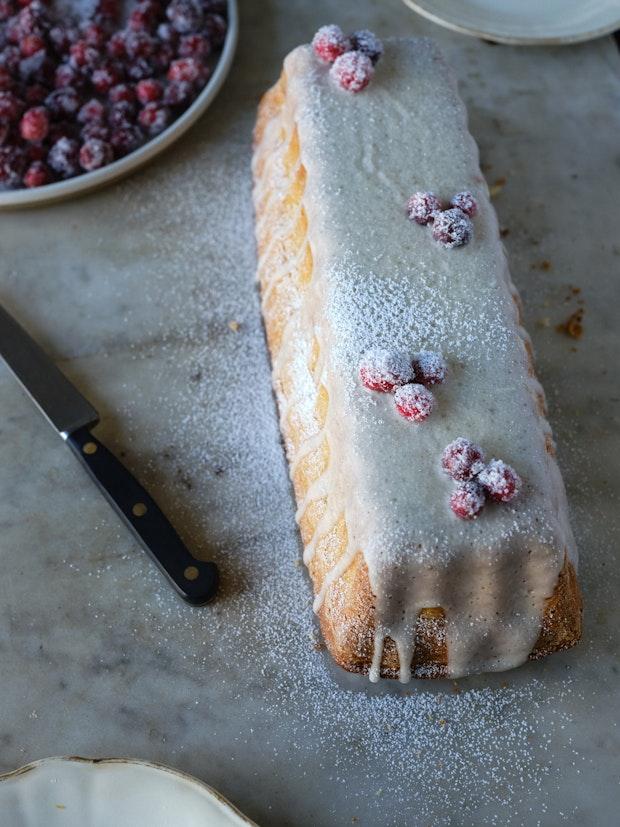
[195, 580]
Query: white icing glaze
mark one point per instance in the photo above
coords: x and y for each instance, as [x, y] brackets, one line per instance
[381, 281]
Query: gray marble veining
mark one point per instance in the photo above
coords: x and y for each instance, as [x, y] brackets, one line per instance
[132, 290]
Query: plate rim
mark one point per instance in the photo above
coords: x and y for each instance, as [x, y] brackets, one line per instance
[511, 40]
[158, 767]
[82, 184]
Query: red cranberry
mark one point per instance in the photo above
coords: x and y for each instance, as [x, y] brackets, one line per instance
[82, 54]
[66, 75]
[467, 500]
[466, 202]
[384, 370]
[139, 44]
[10, 58]
[122, 92]
[105, 77]
[95, 154]
[116, 47]
[94, 34]
[414, 402]
[34, 124]
[368, 43]
[462, 460]
[140, 68]
[452, 228]
[178, 93]
[61, 38]
[500, 481]
[92, 111]
[215, 28]
[31, 44]
[37, 175]
[63, 157]
[429, 367]
[329, 43]
[149, 90]
[121, 114]
[154, 118]
[94, 129]
[422, 206]
[194, 45]
[11, 107]
[63, 102]
[185, 15]
[125, 139]
[12, 164]
[186, 68]
[352, 71]
[143, 17]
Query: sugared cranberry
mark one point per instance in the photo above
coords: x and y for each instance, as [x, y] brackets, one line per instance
[12, 165]
[178, 93]
[185, 15]
[139, 44]
[10, 58]
[194, 45]
[186, 68]
[94, 154]
[462, 460]
[121, 114]
[31, 44]
[141, 68]
[122, 92]
[116, 47]
[105, 77]
[384, 370]
[83, 54]
[125, 139]
[452, 228]
[329, 43]
[92, 111]
[466, 202]
[414, 402]
[149, 90]
[167, 34]
[95, 129]
[368, 43]
[63, 102]
[422, 206]
[61, 38]
[467, 500]
[215, 28]
[429, 367]
[153, 118]
[11, 107]
[94, 34]
[352, 71]
[37, 175]
[34, 124]
[500, 481]
[143, 17]
[7, 10]
[63, 157]
[66, 75]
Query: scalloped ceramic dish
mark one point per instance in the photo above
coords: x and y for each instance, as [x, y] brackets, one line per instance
[15, 199]
[82, 792]
[524, 22]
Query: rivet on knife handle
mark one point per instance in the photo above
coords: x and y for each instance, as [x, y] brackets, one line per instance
[195, 580]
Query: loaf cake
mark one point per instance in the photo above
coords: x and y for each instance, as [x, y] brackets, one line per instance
[403, 587]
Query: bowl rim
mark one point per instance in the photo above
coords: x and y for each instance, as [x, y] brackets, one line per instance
[80, 184]
[201, 786]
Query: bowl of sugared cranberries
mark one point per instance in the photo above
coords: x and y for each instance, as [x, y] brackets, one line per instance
[85, 100]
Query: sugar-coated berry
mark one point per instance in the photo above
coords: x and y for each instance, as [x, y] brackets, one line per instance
[186, 68]
[368, 43]
[35, 124]
[63, 157]
[429, 367]
[467, 500]
[125, 139]
[149, 90]
[121, 114]
[11, 107]
[422, 206]
[31, 44]
[95, 129]
[63, 102]
[185, 15]
[383, 370]
[37, 175]
[452, 228]
[352, 71]
[500, 481]
[215, 28]
[194, 45]
[329, 43]
[462, 460]
[414, 402]
[154, 118]
[12, 164]
[466, 202]
[92, 111]
[122, 92]
[95, 154]
[178, 93]
[105, 77]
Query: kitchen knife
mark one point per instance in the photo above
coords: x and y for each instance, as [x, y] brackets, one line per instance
[73, 417]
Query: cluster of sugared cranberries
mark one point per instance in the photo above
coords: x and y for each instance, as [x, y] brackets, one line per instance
[451, 225]
[75, 95]
[353, 57]
[407, 378]
[477, 481]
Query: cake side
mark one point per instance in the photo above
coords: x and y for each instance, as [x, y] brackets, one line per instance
[361, 542]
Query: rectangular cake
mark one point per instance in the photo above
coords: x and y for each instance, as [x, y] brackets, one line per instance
[403, 585]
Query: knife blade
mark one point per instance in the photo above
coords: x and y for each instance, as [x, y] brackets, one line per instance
[73, 416]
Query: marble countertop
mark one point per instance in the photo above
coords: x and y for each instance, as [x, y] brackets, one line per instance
[144, 294]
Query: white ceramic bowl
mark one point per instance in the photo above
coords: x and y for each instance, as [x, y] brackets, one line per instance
[524, 22]
[82, 792]
[14, 199]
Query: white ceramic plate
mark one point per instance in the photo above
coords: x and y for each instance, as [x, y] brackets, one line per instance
[524, 22]
[81, 792]
[12, 199]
